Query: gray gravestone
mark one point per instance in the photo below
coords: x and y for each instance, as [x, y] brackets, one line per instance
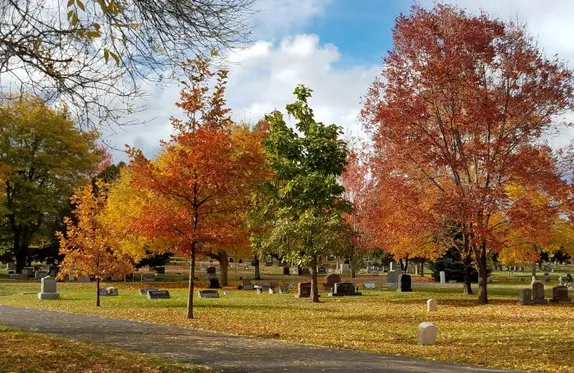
[526, 297]
[48, 289]
[404, 284]
[104, 292]
[208, 293]
[145, 290]
[342, 289]
[546, 277]
[538, 293]
[560, 294]
[393, 276]
[113, 292]
[158, 294]
[283, 289]
[303, 290]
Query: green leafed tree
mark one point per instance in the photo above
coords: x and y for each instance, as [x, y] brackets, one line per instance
[298, 213]
[44, 158]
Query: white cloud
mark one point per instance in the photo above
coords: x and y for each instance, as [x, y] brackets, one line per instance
[262, 79]
[274, 18]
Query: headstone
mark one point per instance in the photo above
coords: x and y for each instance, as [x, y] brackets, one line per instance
[258, 290]
[247, 285]
[208, 293]
[145, 290]
[525, 297]
[342, 289]
[404, 284]
[283, 289]
[538, 293]
[442, 275]
[104, 292]
[432, 305]
[48, 288]
[547, 268]
[84, 279]
[330, 280]
[321, 270]
[370, 285]
[560, 294]
[10, 266]
[40, 274]
[158, 294]
[271, 291]
[226, 292]
[214, 283]
[303, 290]
[393, 276]
[547, 277]
[426, 333]
[113, 292]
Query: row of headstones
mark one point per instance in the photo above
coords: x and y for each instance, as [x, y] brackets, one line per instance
[535, 295]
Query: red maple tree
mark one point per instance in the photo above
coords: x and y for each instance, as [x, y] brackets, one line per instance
[458, 113]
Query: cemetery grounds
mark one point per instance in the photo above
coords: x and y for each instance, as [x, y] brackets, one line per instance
[501, 334]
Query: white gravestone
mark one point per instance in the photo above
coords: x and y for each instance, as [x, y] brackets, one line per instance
[48, 289]
[431, 305]
[442, 277]
[427, 333]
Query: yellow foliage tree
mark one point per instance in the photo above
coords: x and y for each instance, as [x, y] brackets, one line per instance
[87, 246]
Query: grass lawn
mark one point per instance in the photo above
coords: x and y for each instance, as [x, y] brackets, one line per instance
[31, 353]
[501, 334]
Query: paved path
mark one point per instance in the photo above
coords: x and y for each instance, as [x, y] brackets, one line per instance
[219, 351]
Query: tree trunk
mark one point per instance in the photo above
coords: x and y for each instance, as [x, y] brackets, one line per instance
[423, 269]
[314, 289]
[533, 270]
[191, 284]
[467, 288]
[223, 267]
[98, 291]
[257, 270]
[352, 265]
[482, 276]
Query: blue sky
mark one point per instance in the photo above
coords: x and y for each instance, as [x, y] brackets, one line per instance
[336, 48]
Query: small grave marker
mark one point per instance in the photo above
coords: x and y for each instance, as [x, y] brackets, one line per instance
[158, 294]
[370, 285]
[148, 277]
[431, 305]
[113, 292]
[547, 277]
[208, 293]
[283, 289]
[426, 333]
[442, 275]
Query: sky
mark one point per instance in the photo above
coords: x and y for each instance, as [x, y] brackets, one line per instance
[336, 48]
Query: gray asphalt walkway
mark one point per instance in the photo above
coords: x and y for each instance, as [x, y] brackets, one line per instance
[219, 351]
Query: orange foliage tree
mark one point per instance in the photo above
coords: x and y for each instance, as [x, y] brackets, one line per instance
[458, 113]
[202, 181]
[87, 246]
